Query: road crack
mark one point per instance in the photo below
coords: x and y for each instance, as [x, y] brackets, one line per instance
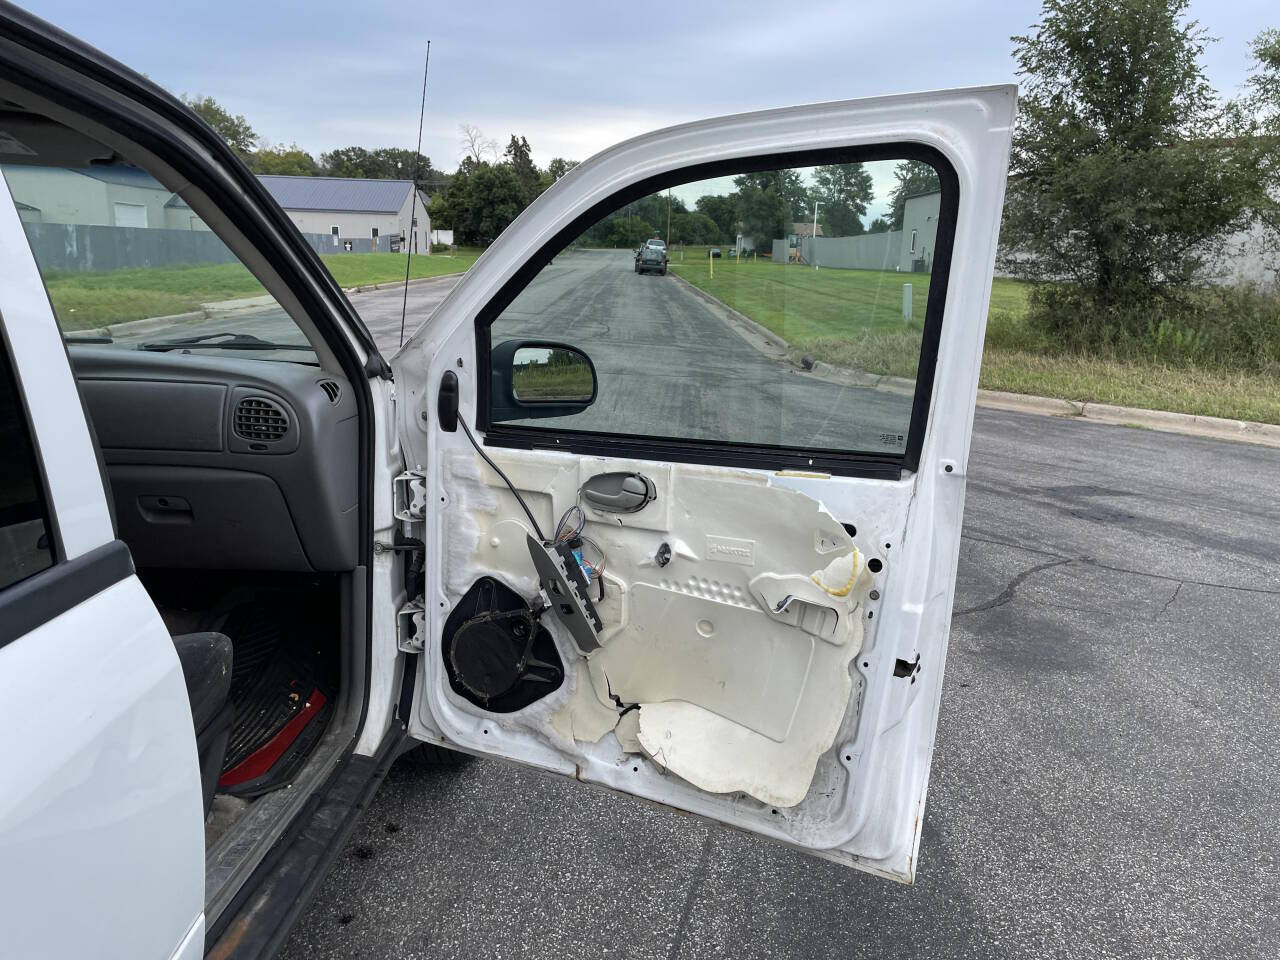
[1090, 561]
[1011, 589]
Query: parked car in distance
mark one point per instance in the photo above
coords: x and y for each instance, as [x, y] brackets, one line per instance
[715, 252]
[652, 257]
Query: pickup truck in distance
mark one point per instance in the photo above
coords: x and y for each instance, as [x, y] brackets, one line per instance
[652, 256]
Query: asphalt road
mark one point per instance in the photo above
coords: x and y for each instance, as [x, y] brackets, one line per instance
[1106, 781]
[669, 365]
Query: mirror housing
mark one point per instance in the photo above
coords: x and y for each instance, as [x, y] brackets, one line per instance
[530, 379]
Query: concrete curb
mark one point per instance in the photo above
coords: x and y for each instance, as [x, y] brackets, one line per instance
[741, 324]
[149, 324]
[1187, 424]
[399, 284]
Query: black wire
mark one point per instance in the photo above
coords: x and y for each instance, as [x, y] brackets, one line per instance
[413, 204]
[498, 470]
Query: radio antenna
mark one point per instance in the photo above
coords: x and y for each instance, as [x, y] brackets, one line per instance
[413, 203]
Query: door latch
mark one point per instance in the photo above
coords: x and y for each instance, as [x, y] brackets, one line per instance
[619, 492]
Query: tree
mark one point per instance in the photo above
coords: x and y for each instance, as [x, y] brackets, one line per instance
[282, 160]
[787, 186]
[1264, 79]
[233, 128]
[1263, 99]
[723, 211]
[879, 225]
[628, 232]
[844, 190]
[476, 145]
[914, 177]
[558, 167]
[483, 201]
[1126, 166]
[693, 228]
[384, 163]
[764, 215]
[519, 158]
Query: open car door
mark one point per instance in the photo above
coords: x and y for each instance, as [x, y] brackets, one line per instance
[692, 534]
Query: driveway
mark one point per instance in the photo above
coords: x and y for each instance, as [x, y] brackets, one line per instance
[1106, 781]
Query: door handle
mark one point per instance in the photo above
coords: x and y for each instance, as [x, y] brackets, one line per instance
[619, 492]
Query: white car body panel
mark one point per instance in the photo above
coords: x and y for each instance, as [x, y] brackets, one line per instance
[101, 811]
[865, 803]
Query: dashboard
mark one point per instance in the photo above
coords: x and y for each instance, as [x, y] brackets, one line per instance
[220, 462]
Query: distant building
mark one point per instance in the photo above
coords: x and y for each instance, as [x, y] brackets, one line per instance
[801, 230]
[370, 213]
[348, 208]
[919, 232]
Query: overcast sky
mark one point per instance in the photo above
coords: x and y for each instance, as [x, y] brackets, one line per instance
[571, 77]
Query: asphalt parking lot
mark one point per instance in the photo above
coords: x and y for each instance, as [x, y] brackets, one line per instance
[1106, 781]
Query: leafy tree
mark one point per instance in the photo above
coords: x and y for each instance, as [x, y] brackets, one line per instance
[484, 201]
[1264, 79]
[1126, 166]
[763, 213]
[844, 190]
[558, 167]
[290, 160]
[1263, 99]
[914, 177]
[233, 128]
[879, 225]
[384, 163]
[723, 211]
[786, 185]
[694, 228]
[628, 232]
[346, 162]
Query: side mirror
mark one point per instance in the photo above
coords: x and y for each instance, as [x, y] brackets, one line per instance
[536, 378]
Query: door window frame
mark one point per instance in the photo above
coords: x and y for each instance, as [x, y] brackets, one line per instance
[718, 452]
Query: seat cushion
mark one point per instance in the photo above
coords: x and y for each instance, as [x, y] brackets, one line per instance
[206, 667]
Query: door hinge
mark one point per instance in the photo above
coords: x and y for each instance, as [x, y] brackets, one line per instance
[411, 626]
[409, 496]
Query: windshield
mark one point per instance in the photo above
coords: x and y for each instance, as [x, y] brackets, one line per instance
[127, 262]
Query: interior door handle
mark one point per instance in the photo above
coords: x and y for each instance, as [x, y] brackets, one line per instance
[619, 492]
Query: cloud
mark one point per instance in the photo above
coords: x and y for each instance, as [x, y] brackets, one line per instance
[571, 77]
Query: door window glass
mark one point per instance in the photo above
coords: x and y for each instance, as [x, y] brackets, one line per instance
[783, 308]
[24, 520]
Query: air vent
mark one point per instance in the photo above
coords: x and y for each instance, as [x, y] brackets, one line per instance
[331, 390]
[260, 420]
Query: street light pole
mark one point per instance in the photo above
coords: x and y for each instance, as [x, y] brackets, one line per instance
[814, 236]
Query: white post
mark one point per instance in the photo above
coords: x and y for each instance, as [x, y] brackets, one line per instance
[906, 303]
[814, 239]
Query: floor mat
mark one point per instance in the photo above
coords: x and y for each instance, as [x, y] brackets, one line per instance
[283, 684]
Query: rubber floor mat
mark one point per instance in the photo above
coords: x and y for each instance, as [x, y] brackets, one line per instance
[283, 683]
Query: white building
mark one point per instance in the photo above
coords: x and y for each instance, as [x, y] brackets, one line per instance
[346, 208]
[368, 213]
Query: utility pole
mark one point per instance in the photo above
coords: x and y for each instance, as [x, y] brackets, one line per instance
[668, 218]
[814, 238]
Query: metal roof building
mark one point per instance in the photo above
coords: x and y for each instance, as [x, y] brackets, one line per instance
[363, 213]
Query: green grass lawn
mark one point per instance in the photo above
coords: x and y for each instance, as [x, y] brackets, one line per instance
[86, 301]
[853, 318]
